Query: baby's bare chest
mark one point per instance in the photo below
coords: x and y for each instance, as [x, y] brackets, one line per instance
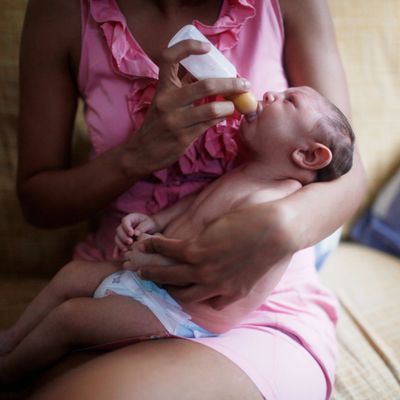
[214, 201]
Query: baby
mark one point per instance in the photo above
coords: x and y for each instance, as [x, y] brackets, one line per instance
[297, 137]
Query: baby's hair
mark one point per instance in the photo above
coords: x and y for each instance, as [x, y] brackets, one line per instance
[334, 131]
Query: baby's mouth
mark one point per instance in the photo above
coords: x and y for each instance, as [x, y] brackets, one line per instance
[251, 117]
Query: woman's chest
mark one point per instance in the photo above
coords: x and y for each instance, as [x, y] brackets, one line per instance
[153, 25]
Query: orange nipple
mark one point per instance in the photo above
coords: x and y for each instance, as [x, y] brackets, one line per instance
[246, 103]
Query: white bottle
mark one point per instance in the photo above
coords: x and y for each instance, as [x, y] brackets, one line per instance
[212, 65]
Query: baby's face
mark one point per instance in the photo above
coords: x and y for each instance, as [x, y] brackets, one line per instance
[283, 118]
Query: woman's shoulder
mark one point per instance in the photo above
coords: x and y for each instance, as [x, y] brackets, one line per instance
[53, 11]
[299, 13]
[55, 25]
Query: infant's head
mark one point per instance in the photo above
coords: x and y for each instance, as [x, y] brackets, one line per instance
[302, 128]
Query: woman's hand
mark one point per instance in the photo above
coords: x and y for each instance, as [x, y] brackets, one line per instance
[223, 262]
[172, 122]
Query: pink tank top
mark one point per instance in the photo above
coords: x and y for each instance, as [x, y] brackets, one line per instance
[117, 82]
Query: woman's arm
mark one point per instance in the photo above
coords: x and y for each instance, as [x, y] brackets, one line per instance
[224, 261]
[312, 58]
[50, 191]
[53, 193]
[311, 55]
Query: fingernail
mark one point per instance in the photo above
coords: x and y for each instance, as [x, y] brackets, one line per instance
[205, 46]
[222, 108]
[245, 83]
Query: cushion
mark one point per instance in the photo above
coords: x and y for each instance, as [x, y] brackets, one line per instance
[379, 226]
[324, 248]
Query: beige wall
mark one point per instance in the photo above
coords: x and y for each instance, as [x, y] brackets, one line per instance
[368, 34]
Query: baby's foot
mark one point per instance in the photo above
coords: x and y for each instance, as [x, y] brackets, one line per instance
[7, 341]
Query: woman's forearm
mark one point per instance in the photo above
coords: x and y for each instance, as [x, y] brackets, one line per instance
[318, 209]
[315, 211]
[58, 197]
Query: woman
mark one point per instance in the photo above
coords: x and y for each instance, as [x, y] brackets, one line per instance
[109, 53]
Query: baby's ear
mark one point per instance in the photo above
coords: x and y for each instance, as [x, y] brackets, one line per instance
[314, 157]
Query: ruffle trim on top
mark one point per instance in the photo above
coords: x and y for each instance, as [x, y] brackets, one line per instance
[128, 57]
[225, 32]
[218, 143]
[130, 60]
[212, 153]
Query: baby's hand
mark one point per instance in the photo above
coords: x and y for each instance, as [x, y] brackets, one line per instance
[130, 228]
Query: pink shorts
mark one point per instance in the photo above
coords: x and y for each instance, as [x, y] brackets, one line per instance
[287, 346]
[286, 371]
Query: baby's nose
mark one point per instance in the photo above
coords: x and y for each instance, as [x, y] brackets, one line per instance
[270, 97]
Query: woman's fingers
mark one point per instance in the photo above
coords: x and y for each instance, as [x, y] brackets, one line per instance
[172, 248]
[172, 122]
[176, 275]
[214, 87]
[188, 94]
[184, 95]
[217, 110]
[191, 294]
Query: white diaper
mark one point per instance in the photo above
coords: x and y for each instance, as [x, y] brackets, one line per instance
[158, 300]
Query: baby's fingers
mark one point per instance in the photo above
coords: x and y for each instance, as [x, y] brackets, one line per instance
[122, 246]
[116, 252]
[126, 226]
[123, 236]
[146, 226]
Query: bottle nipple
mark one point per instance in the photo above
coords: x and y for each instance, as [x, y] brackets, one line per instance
[246, 103]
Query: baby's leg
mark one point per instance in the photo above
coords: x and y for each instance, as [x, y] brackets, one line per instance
[76, 279]
[78, 323]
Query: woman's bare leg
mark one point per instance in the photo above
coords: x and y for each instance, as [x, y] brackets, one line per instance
[78, 323]
[160, 369]
[76, 279]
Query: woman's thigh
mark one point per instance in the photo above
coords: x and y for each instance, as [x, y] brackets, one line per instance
[160, 369]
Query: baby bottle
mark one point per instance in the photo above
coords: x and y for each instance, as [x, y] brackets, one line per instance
[213, 65]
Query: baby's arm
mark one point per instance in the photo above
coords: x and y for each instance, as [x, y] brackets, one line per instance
[135, 224]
